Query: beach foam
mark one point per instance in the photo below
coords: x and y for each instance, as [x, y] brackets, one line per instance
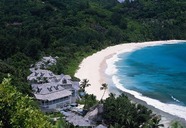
[173, 109]
[90, 68]
[111, 70]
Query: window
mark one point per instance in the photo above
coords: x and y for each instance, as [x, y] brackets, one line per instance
[73, 93]
[64, 81]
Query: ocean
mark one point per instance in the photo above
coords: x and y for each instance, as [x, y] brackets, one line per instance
[155, 74]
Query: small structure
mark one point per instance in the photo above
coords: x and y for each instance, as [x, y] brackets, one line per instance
[46, 62]
[77, 120]
[89, 120]
[95, 114]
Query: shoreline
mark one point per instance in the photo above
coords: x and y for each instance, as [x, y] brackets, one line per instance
[93, 68]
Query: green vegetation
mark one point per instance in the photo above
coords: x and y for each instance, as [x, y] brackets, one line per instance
[72, 30]
[120, 112]
[18, 110]
[104, 87]
[84, 84]
[89, 100]
[176, 124]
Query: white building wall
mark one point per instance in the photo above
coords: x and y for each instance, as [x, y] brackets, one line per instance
[59, 104]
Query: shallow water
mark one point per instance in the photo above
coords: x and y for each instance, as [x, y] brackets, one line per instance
[158, 72]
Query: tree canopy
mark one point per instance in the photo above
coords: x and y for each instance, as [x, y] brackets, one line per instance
[120, 112]
[73, 29]
[18, 110]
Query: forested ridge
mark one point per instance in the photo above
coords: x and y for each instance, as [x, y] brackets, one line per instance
[74, 29]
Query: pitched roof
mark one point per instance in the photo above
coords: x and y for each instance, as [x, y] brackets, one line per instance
[50, 91]
[53, 95]
[77, 120]
[46, 88]
[40, 73]
[101, 126]
[50, 59]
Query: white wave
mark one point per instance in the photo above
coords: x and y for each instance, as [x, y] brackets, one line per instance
[111, 70]
[111, 67]
[173, 109]
[175, 99]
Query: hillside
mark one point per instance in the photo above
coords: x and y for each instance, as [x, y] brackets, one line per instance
[73, 29]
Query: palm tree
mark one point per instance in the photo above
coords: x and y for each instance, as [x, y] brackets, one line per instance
[104, 87]
[153, 122]
[84, 84]
[156, 119]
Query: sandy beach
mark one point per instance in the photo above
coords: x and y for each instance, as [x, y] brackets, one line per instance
[93, 68]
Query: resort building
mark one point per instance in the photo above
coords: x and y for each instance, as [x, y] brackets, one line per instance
[52, 91]
[62, 91]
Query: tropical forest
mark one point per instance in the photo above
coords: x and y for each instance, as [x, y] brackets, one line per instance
[73, 30]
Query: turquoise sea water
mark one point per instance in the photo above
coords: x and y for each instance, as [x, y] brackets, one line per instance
[158, 72]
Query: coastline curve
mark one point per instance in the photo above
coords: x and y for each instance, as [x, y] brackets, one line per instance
[92, 68]
[111, 70]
